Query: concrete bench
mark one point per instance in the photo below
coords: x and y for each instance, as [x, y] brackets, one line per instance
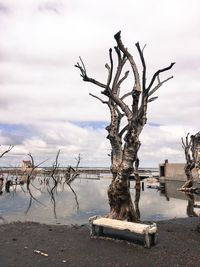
[148, 231]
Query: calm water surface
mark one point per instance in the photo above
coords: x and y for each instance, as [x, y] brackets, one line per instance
[88, 197]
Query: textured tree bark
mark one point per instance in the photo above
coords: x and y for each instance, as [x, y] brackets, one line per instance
[128, 115]
[121, 206]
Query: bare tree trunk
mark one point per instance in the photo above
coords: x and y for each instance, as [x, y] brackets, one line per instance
[121, 206]
[119, 196]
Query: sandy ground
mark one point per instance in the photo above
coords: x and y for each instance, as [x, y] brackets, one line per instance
[179, 245]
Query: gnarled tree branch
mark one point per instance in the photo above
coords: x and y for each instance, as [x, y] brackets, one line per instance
[6, 151]
[156, 74]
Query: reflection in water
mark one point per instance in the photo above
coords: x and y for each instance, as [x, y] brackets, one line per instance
[170, 191]
[84, 197]
[35, 186]
[137, 200]
[190, 206]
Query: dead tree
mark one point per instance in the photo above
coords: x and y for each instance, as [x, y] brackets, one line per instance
[6, 151]
[191, 147]
[30, 176]
[8, 183]
[71, 175]
[128, 112]
[189, 157]
[196, 151]
[71, 172]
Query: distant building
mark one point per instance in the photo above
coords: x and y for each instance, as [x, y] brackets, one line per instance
[26, 164]
[175, 171]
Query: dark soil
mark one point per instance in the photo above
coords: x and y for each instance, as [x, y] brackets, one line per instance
[179, 245]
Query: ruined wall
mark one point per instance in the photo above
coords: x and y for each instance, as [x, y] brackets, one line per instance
[176, 172]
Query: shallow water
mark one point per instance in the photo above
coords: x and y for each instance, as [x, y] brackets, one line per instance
[86, 198]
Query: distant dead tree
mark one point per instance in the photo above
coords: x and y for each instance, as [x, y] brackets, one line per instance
[128, 115]
[70, 176]
[71, 172]
[191, 147]
[55, 183]
[189, 157]
[196, 148]
[8, 183]
[6, 151]
[30, 176]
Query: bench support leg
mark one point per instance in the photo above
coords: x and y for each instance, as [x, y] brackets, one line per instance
[147, 240]
[92, 226]
[150, 239]
[154, 239]
[92, 230]
[97, 232]
[100, 231]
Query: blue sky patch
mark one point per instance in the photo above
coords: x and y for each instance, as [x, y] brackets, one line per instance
[154, 124]
[91, 124]
[102, 124]
[16, 129]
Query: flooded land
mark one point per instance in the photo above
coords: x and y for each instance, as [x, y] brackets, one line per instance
[44, 222]
[57, 200]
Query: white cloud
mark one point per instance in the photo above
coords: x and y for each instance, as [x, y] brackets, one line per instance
[45, 139]
[41, 89]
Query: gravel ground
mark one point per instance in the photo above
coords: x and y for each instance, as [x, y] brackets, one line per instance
[179, 245]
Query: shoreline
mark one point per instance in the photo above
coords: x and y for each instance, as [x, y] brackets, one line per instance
[71, 245]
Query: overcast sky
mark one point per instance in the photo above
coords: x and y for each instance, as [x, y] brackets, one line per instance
[45, 105]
